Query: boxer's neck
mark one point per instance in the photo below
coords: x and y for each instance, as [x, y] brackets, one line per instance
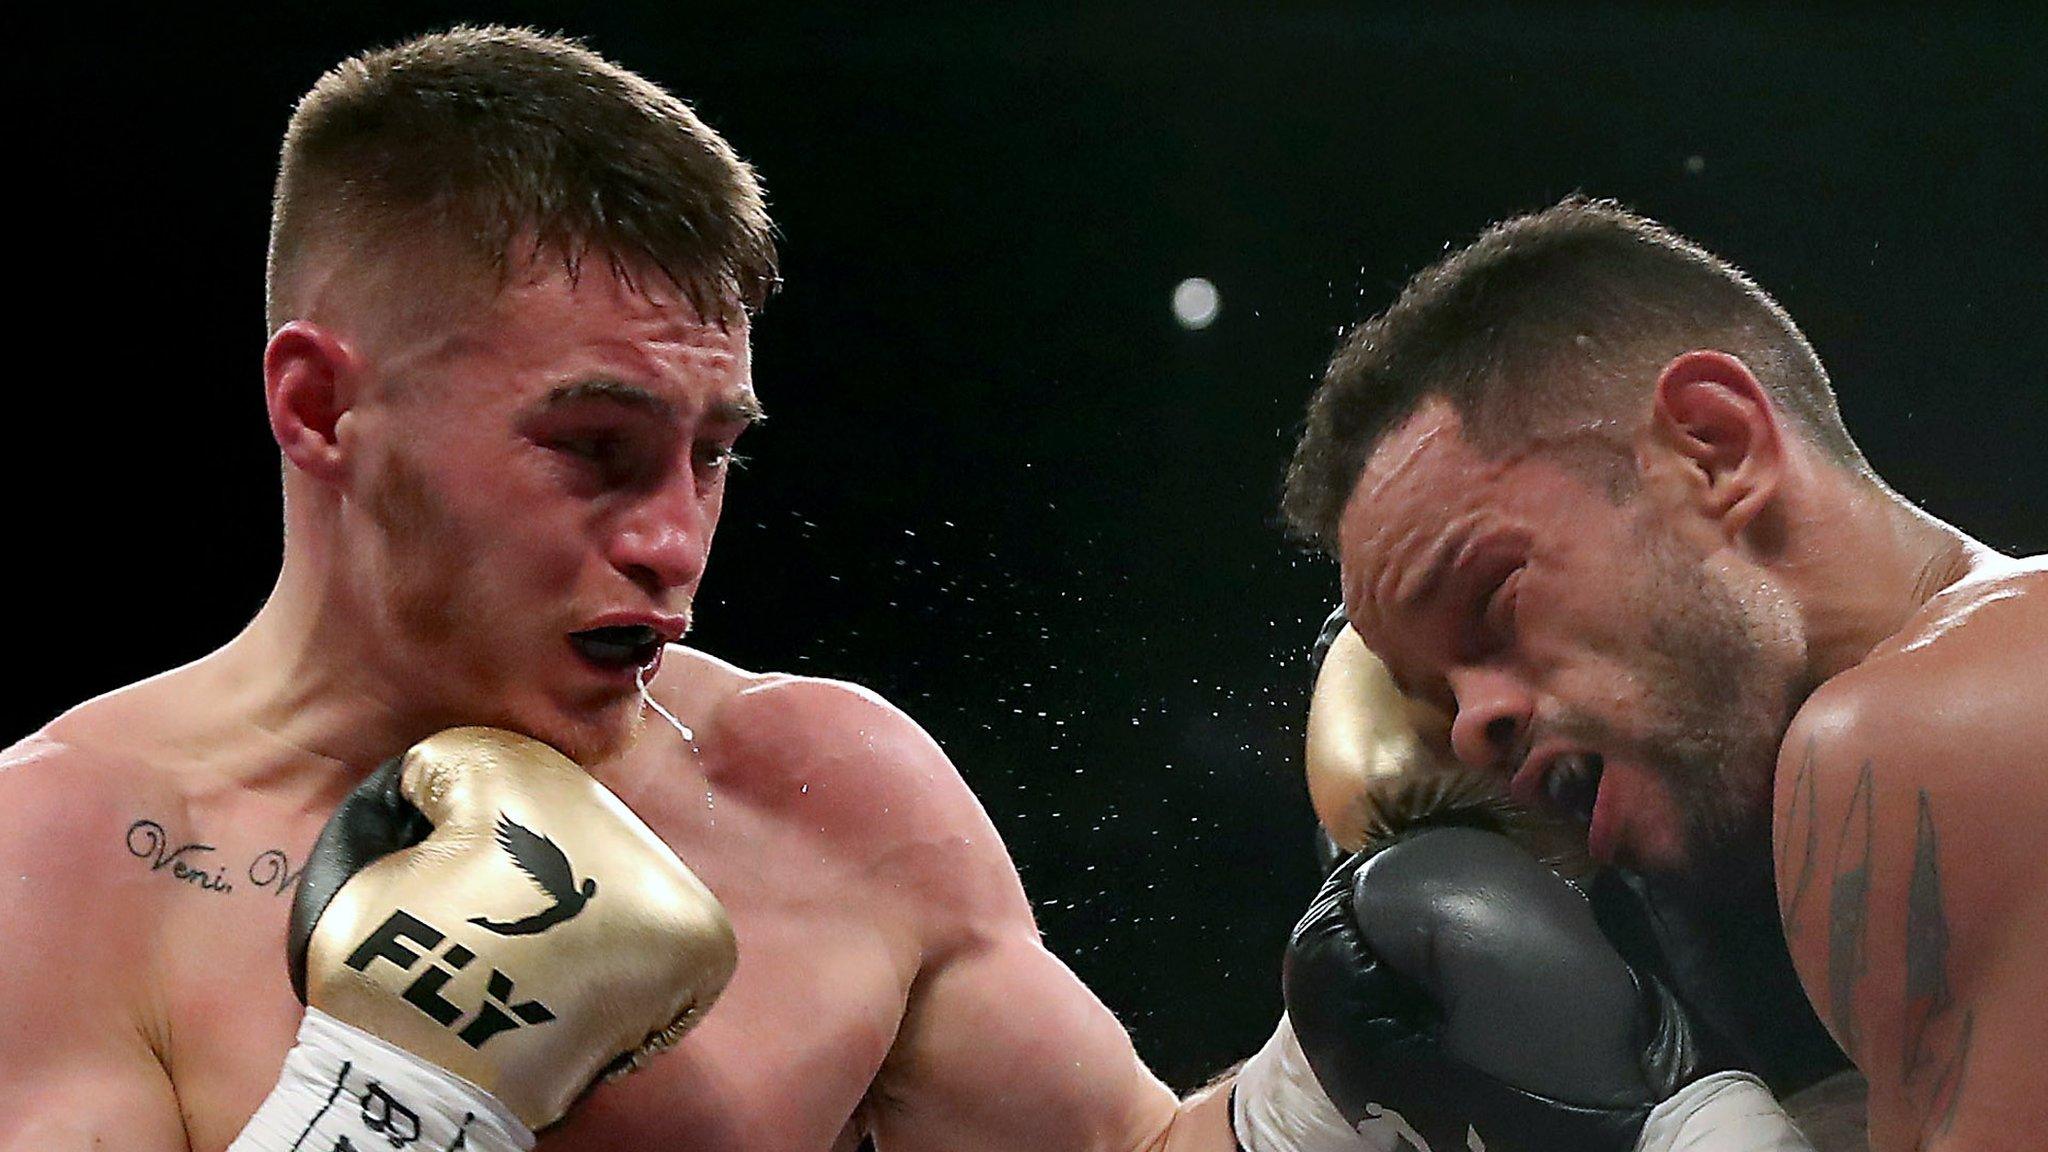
[296, 675]
[1861, 561]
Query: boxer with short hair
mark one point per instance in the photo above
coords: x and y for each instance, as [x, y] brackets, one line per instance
[1592, 499]
[1723, 995]
[510, 292]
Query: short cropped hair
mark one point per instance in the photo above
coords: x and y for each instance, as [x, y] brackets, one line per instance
[1545, 323]
[509, 144]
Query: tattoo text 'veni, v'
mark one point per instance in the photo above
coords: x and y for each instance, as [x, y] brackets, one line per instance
[189, 863]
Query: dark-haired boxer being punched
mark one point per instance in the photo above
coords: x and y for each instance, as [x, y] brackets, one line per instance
[1592, 500]
[510, 288]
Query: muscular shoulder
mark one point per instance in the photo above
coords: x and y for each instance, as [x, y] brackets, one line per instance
[858, 772]
[55, 791]
[70, 820]
[1955, 704]
[78, 1032]
[1910, 793]
[1983, 635]
[773, 731]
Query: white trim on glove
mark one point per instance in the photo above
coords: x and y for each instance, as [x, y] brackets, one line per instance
[340, 1081]
[1278, 1106]
[1722, 1112]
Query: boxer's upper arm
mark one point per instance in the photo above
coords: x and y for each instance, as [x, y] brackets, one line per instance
[1001, 1046]
[76, 1069]
[1909, 808]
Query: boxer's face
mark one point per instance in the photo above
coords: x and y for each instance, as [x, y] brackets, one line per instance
[552, 465]
[1590, 654]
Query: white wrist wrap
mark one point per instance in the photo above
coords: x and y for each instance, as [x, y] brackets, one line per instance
[1277, 1106]
[341, 1083]
[1724, 1112]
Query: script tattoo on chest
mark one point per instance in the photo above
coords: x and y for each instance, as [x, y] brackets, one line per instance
[195, 864]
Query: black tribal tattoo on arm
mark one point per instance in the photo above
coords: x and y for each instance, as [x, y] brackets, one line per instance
[1936, 1028]
[1797, 826]
[1937, 1041]
[1849, 910]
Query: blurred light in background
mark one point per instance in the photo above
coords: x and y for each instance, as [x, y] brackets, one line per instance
[1195, 303]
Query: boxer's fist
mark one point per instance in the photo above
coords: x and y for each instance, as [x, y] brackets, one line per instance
[1451, 983]
[1379, 762]
[483, 904]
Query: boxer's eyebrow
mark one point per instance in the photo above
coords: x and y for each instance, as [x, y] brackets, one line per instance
[735, 408]
[1419, 584]
[1454, 550]
[613, 392]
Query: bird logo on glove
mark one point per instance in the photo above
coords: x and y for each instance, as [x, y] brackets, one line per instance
[549, 869]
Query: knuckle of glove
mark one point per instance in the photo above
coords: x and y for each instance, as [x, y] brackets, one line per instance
[1535, 995]
[1379, 762]
[1359, 1021]
[535, 938]
[1454, 980]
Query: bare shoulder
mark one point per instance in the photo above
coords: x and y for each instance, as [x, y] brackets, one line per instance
[85, 809]
[90, 845]
[108, 748]
[70, 818]
[60, 783]
[859, 771]
[1910, 796]
[1955, 704]
[76, 819]
[1984, 624]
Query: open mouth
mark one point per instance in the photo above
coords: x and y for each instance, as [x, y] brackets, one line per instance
[621, 647]
[1573, 784]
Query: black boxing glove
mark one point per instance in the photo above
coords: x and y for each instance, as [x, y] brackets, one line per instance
[1448, 987]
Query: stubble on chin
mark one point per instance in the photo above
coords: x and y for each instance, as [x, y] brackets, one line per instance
[606, 737]
[1726, 708]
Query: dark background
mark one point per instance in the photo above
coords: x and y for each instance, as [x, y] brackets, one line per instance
[1002, 485]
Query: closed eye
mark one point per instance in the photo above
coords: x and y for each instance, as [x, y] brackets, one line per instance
[607, 459]
[1497, 611]
[595, 449]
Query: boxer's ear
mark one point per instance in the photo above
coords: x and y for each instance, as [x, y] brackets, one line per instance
[1713, 429]
[307, 374]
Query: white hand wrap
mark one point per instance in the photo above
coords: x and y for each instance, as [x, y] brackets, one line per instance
[343, 1083]
[1277, 1106]
[1723, 1112]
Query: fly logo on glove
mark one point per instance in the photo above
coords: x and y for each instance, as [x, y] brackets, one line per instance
[388, 943]
[485, 883]
[549, 869]
[428, 971]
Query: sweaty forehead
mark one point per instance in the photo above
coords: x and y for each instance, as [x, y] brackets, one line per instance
[1422, 483]
[549, 329]
[596, 297]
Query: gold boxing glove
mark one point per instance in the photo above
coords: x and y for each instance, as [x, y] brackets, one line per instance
[1380, 762]
[484, 904]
